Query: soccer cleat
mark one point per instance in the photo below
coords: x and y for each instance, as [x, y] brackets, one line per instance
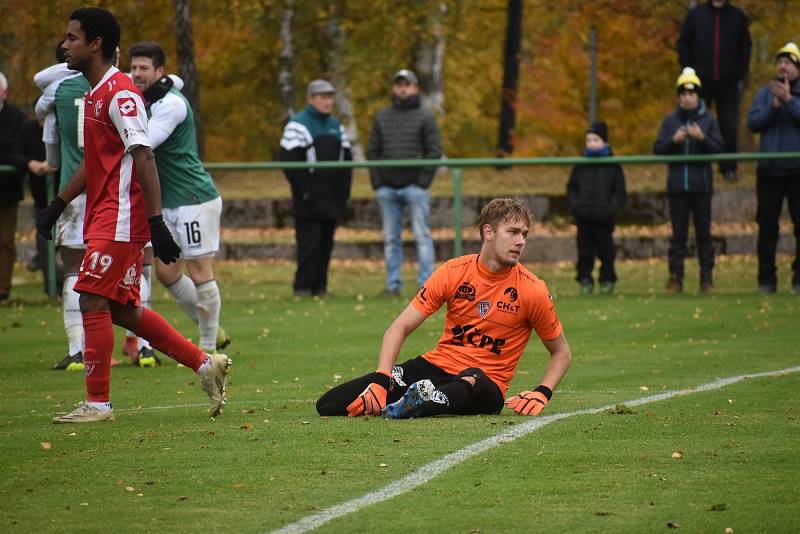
[70, 363]
[411, 402]
[131, 348]
[223, 339]
[147, 358]
[85, 414]
[215, 382]
[606, 288]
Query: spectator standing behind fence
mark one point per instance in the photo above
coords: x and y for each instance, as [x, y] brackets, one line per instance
[31, 145]
[689, 130]
[405, 130]
[595, 194]
[11, 120]
[775, 114]
[319, 196]
[715, 41]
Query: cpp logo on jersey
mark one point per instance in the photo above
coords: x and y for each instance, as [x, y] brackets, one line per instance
[484, 306]
[127, 107]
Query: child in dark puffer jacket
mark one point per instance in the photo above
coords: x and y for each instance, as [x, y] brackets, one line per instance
[595, 194]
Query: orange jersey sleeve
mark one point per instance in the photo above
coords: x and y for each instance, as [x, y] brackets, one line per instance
[490, 316]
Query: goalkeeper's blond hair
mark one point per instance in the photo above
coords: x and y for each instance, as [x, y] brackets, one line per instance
[504, 209]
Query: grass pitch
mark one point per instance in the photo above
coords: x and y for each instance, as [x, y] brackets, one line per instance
[703, 462]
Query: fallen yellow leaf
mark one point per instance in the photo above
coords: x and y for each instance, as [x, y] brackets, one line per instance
[46, 445]
[677, 455]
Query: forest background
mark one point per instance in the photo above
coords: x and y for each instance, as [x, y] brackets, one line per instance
[253, 59]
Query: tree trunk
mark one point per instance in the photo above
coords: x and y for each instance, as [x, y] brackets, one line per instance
[429, 59]
[286, 60]
[187, 69]
[505, 141]
[335, 54]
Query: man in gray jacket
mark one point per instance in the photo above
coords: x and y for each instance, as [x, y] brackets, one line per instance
[405, 130]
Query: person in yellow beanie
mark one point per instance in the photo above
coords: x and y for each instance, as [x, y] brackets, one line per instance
[690, 129]
[775, 114]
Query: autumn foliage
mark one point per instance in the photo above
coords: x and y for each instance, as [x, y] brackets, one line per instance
[237, 45]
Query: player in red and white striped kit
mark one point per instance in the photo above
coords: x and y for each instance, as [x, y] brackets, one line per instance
[123, 212]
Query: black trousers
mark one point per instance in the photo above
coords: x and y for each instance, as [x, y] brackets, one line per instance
[595, 240]
[482, 398]
[314, 238]
[727, 97]
[770, 191]
[680, 206]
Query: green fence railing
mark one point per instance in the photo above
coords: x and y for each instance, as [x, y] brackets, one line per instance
[456, 166]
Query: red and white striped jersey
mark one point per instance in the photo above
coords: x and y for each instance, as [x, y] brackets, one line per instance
[115, 122]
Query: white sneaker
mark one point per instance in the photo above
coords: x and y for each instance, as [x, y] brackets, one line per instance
[215, 382]
[85, 414]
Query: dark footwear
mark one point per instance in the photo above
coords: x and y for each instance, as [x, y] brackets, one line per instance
[674, 284]
[730, 176]
[391, 292]
[72, 362]
[606, 288]
[796, 289]
[300, 293]
[706, 287]
[767, 289]
[587, 286]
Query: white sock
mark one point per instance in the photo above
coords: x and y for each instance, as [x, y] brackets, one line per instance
[102, 406]
[203, 369]
[73, 321]
[185, 295]
[208, 306]
[144, 296]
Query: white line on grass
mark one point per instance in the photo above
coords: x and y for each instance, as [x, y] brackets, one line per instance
[437, 467]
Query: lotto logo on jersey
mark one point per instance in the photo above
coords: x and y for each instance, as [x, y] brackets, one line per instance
[127, 107]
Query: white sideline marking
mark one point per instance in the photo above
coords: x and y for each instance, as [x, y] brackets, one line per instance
[437, 467]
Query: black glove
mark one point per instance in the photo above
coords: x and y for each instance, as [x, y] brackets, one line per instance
[164, 247]
[48, 217]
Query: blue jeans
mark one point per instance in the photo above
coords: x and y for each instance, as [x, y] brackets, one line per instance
[392, 202]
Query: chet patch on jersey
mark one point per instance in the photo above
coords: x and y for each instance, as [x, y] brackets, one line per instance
[127, 107]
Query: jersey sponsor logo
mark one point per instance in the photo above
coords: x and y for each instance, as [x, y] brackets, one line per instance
[512, 293]
[127, 107]
[468, 335]
[484, 306]
[507, 307]
[465, 291]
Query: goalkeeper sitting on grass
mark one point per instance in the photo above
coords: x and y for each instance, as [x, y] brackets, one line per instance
[493, 304]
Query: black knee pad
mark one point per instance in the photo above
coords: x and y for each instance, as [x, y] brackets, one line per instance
[481, 380]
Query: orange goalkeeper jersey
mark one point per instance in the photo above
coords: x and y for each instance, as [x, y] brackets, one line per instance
[489, 316]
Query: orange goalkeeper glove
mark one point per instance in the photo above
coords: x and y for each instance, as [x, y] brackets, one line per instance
[530, 402]
[373, 399]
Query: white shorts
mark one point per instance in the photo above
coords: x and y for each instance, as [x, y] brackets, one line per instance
[195, 228]
[69, 227]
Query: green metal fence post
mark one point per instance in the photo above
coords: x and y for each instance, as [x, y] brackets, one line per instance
[458, 242]
[51, 246]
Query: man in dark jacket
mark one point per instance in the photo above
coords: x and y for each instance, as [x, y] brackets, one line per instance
[715, 41]
[31, 145]
[689, 130]
[11, 121]
[319, 196]
[406, 130]
[595, 194]
[775, 114]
